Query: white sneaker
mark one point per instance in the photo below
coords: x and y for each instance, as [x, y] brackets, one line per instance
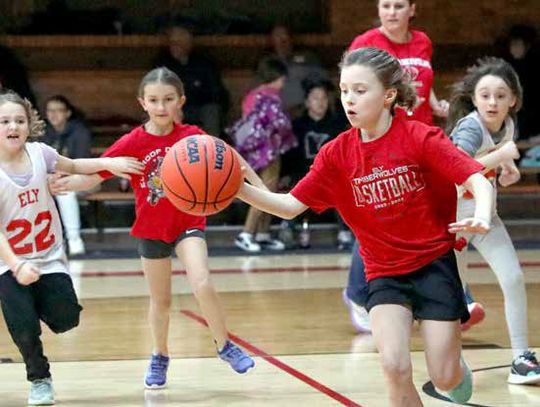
[246, 242]
[265, 241]
[359, 315]
[41, 393]
[76, 246]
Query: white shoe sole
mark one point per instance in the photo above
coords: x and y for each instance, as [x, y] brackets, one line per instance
[154, 386]
[518, 379]
[41, 403]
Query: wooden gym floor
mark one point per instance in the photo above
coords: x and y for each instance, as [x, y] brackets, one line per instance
[285, 310]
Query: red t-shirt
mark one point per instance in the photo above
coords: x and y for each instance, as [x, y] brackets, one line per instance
[396, 193]
[155, 216]
[415, 57]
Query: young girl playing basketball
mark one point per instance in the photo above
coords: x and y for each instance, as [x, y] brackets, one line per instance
[483, 107]
[393, 182]
[34, 280]
[161, 228]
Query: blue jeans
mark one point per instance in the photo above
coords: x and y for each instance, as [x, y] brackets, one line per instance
[357, 288]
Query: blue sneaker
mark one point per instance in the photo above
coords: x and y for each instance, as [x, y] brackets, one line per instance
[156, 374]
[236, 357]
[463, 391]
[41, 393]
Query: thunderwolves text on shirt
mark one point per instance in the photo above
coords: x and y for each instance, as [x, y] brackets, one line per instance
[386, 187]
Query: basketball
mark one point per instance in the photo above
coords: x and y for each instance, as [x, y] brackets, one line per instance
[201, 175]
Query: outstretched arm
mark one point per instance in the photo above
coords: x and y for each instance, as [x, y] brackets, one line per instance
[120, 166]
[285, 206]
[482, 190]
[250, 174]
[61, 184]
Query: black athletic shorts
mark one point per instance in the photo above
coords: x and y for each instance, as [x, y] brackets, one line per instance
[433, 292]
[158, 249]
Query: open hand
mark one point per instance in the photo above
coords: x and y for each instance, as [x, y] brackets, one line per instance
[440, 109]
[123, 166]
[470, 225]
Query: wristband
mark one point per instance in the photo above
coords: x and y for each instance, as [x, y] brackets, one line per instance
[18, 267]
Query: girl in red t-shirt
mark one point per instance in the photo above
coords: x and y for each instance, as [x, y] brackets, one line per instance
[161, 228]
[393, 182]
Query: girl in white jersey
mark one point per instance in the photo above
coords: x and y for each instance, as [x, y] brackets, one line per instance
[34, 280]
[482, 113]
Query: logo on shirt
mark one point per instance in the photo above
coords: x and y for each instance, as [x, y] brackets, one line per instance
[313, 143]
[386, 187]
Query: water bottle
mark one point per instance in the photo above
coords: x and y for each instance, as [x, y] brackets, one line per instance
[286, 234]
[304, 236]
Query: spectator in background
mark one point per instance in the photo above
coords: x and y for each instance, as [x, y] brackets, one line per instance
[318, 124]
[261, 136]
[301, 65]
[13, 75]
[207, 100]
[522, 53]
[68, 134]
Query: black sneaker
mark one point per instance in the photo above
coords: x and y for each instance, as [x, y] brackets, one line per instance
[525, 369]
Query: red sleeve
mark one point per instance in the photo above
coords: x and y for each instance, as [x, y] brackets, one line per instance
[359, 42]
[441, 156]
[316, 189]
[120, 148]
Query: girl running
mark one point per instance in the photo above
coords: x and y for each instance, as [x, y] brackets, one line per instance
[34, 280]
[393, 182]
[482, 118]
[161, 229]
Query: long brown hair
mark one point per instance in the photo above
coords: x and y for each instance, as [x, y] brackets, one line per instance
[387, 69]
[461, 101]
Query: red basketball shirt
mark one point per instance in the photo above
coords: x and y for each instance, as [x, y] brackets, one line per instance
[155, 216]
[414, 56]
[396, 193]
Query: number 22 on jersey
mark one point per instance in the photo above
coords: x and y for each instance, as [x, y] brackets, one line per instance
[31, 234]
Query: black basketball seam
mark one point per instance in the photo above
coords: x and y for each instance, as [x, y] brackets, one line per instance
[226, 179]
[206, 183]
[186, 181]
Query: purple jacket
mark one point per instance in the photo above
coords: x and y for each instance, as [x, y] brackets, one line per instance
[264, 134]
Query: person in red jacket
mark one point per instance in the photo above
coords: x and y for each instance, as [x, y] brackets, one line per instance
[393, 182]
[161, 228]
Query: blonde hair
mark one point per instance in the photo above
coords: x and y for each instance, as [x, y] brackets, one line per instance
[35, 124]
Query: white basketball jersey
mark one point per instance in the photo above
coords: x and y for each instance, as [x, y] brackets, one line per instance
[29, 219]
[466, 204]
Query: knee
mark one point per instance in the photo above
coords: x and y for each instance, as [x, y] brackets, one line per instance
[396, 369]
[447, 377]
[201, 285]
[68, 318]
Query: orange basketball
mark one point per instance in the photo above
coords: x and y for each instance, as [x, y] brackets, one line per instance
[201, 175]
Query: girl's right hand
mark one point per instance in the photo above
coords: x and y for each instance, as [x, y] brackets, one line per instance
[123, 166]
[27, 274]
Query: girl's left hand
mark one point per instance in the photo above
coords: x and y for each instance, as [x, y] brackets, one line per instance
[441, 108]
[123, 166]
[470, 225]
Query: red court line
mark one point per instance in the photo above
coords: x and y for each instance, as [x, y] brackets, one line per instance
[281, 365]
[293, 269]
